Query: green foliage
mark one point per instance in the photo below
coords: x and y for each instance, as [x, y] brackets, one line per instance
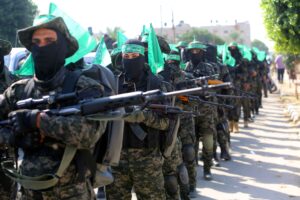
[260, 45]
[234, 36]
[112, 32]
[202, 36]
[290, 60]
[282, 21]
[15, 15]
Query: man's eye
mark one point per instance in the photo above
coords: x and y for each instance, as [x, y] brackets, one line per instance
[49, 40]
[35, 41]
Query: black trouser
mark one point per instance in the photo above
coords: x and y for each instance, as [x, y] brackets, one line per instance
[280, 73]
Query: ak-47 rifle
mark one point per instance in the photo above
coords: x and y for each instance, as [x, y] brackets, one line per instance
[196, 81]
[230, 96]
[246, 94]
[99, 105]
[196, 99]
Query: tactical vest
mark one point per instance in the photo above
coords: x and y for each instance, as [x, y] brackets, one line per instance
[164, 140]
[107, 149]
[202, 69]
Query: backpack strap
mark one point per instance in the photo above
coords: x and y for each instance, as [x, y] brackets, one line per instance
[46, 181]
[28, 89]
[69, 84]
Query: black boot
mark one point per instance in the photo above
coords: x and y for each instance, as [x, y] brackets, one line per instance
[207, 174]
[216, 161]
[225, 155]
[101, 194]
[193, 192]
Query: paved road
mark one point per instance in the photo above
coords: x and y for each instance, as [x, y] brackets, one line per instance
[266, 161]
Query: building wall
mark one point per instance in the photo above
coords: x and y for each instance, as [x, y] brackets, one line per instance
[224, 31]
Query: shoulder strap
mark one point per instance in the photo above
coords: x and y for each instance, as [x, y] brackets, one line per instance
[44, 181]
[28, 89]
[70, 81]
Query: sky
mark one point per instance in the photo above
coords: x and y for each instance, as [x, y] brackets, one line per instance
[131, 15]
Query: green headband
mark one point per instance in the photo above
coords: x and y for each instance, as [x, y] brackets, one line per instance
[196, 46]
[116, 51]
[173, 57]
[133, 48]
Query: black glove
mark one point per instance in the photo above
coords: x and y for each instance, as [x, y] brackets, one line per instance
[24, 121]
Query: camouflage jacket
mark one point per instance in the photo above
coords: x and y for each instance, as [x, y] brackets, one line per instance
[154, 122]
[58, 131]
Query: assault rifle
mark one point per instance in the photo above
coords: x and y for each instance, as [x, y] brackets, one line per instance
[99, 105]
[196, 81]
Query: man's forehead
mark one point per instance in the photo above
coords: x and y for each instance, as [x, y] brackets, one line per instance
[44, 31]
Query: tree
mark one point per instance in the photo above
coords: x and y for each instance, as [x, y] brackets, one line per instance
[282, 21]
[234, 36]
[201, 35]
[15, 15]
[112, 32]
[260, 45]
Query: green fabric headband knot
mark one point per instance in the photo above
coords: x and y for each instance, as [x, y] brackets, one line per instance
[133, 48]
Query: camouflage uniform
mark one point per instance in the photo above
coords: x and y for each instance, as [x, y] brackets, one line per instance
[5, 184]
[58, 131]
[186, 136]
[141, 162]
[246, 86]
[170, 166]
[222, 135]
[5, 151]
[204, 124]
[44, 147]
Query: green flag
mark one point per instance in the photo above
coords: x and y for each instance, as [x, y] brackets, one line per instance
[121, 39]
[261, 55]
[86, 42]
[102, 56]
[245, 51]
[227, 59]
[155, 57]
[27, 68]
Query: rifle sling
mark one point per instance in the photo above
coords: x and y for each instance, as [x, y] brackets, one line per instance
[44, 181]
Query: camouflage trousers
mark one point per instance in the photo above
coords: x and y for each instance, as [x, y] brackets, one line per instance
[235, 113]
[141, 170]
[80, 191]
[246, 104]
[7, 186]
[170, 168]
[205, 129]
[222, 134]
[187, 136]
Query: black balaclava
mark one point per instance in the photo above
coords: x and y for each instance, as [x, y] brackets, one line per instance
[146, 52]
[196, 58]
[134, 68]
[49, 59]
[236, 54]
[1, 61]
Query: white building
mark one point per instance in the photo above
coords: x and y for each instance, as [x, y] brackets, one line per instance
[239, 32]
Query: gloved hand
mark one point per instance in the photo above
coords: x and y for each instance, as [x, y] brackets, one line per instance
[24, 121]
[136, 116]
